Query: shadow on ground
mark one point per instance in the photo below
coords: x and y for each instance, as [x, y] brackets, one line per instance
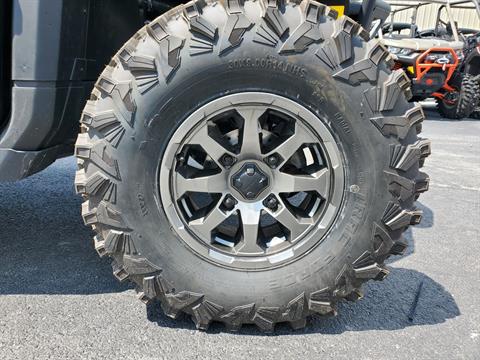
[46, 249]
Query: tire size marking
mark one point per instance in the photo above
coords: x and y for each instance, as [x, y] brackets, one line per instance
[343, 123]
[268, 63]
[143, 206]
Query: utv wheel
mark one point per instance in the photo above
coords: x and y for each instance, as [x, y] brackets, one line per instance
[250, 163]
[464, 102]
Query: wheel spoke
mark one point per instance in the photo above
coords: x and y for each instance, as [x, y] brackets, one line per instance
[319, 182]
[251, 131]
[206, 184]
[211, 147]
[205, 225]
[287, 148]
[250, 215]
[295, 225]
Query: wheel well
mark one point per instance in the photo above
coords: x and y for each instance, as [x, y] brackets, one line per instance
[360, 11]
[154, 8]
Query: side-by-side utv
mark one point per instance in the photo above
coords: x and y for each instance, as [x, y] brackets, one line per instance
[442, 62]
[244, 162]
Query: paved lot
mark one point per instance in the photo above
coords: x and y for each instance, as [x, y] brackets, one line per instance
[58, 300]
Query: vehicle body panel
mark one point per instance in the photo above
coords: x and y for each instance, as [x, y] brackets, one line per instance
[59, 47]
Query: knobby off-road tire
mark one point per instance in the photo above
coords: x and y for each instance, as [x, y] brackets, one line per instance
[467, 100]
[476, 112]
[200, 52]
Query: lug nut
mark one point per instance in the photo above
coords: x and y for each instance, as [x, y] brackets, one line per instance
[227, 160]
[180, 158]
[271, 202]
[272, 160]
[229, 203]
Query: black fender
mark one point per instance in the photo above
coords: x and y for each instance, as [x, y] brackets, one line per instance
[472, 62]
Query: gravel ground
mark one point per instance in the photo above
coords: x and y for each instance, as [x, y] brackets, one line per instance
[58, 300]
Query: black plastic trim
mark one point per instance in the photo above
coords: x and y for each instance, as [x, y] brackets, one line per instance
[5, 60]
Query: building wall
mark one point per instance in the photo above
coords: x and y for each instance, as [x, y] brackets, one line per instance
[426, 16]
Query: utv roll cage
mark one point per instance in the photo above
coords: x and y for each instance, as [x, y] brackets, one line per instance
[446, 5]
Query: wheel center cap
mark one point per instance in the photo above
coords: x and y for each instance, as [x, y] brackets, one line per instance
[250, 181]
